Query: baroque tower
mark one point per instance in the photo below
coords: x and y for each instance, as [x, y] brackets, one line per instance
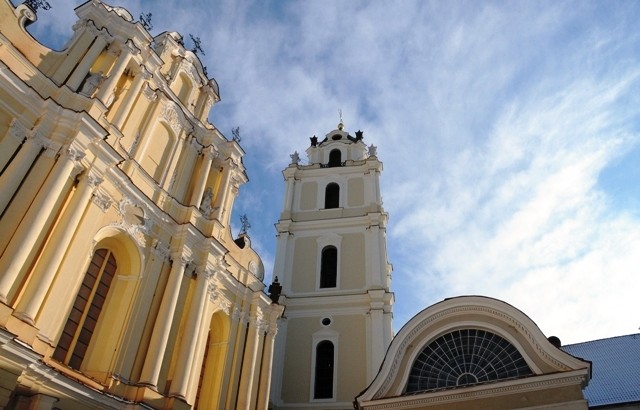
[332, 262]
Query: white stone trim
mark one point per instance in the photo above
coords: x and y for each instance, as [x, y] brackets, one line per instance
[321, 336]
[323, 242]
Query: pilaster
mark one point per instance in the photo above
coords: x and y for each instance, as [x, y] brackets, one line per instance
[20, 248]
[163, 323]
[13, 175]
[52, 256]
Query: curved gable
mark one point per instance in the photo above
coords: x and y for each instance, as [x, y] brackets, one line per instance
[470, 343]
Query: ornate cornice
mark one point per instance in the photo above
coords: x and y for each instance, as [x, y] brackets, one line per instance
[476, 392]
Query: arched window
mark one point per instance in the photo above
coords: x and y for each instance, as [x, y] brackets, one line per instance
[84, 315]
[335, 158]
[323, 381]
[465, 357]
[332, 196]
[329, 267]
[209, 393]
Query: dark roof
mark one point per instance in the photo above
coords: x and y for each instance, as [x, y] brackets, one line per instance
[615, 376]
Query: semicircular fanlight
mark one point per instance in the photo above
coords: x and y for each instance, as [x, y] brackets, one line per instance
[464, 357]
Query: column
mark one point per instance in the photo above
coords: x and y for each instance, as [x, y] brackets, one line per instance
[290, 186]
[123, 111]
[163, 323]
[53, 254]
[203, 173]
[108, 86]
[265, 369]
[126, 362]
[102, 38]
[223, 190]
[378, 347]
[236, 361]
[249, 364]
[227, 384]
[18, 251]
[12, 140]
[184, 365]
[12, 177]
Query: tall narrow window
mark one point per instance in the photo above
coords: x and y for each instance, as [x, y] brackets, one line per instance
[323, 384]
[335, 158]
[329, 267]
[332, 196]
[83, 318]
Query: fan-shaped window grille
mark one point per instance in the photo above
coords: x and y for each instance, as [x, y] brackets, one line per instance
[464, 357]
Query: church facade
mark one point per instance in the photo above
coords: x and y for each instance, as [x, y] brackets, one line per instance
[121, 285]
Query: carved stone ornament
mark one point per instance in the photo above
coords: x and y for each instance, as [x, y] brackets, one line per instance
[73, 153]
[91, 83]
[149, 93]
[171, 116]
[131, 46]
[133, 221]
[272, 331]
[134, 231]
[51, 148]
[160, 249]
[79, 24]
[17, 130]
[224, 305]
[212, 289]
[103, 201]
[259, 323]
[94, 180]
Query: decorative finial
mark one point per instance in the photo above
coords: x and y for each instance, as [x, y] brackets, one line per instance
[244, 220]
[341, 124]
[236, 134]
[275, 289]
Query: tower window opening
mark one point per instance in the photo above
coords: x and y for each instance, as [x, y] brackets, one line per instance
[84, 315]
[335, 158]
[323, 383]
[332, 196]
[329, 267]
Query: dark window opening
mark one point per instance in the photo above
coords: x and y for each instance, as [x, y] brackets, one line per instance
[335, 158]
[329, 267]
[83, 317]
[332, 196]
[323, 386]
[466, 357]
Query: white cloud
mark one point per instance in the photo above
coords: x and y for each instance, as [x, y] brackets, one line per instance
[494, 122]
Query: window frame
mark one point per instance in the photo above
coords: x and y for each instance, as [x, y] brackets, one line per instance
[335, 196]
[331, 157]
[81, 328]
[324, 335]
[322, 243]
[324, 275]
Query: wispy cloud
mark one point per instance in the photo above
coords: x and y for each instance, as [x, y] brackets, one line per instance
[494, 120]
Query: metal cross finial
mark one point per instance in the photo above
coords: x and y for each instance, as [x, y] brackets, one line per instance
[341, 124]
[244, 220]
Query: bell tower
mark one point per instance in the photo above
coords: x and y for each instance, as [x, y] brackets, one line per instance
[331, 260]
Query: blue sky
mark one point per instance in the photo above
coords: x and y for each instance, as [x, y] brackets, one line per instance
[509, 132]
